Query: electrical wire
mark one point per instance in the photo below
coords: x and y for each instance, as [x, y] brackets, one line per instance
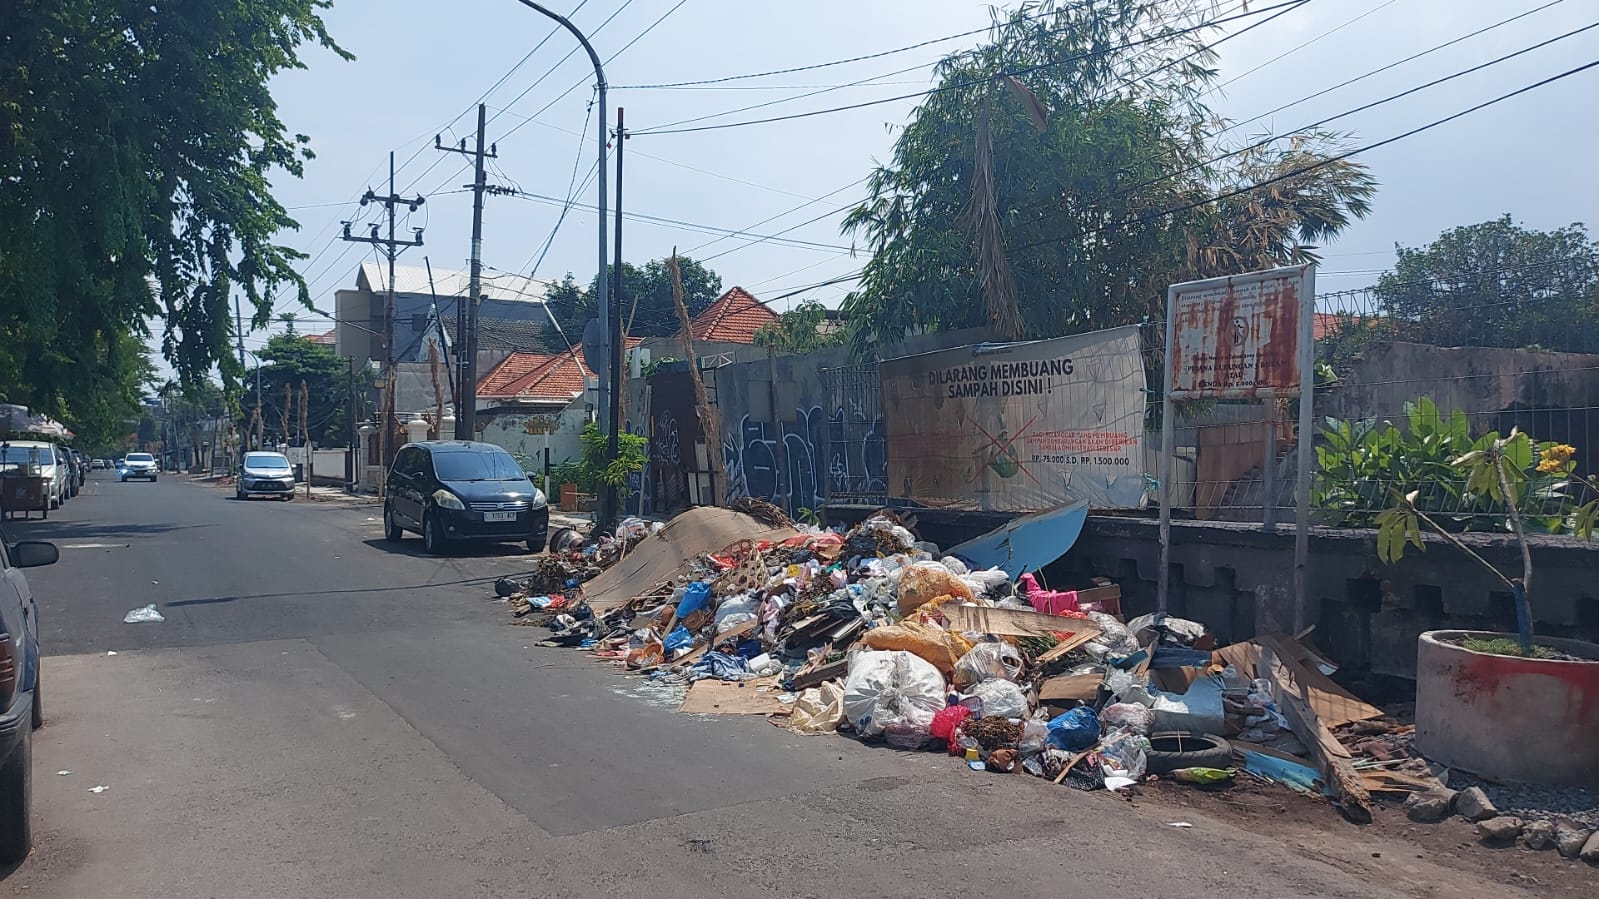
[678, 223]
[1292, 50]
[1288, 5]
[1395, 64]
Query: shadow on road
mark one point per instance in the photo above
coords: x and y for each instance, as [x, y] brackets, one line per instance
[412, 546]
[43, 529]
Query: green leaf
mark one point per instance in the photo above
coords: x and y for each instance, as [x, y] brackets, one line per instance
[1518, 450]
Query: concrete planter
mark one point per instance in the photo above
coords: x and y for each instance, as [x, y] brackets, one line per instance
[1508, 718]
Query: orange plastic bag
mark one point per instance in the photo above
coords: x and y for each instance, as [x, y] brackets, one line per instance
[924, 582]
[940, 648]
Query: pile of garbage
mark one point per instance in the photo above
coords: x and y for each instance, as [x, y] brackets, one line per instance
[879, 635]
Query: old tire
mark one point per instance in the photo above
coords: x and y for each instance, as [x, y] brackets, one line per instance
[16, 799]
[1171, 750]
[432, 540]
[391, 531]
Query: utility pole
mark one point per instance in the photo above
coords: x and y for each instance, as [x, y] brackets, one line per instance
[350, 435]
[466, 307]
[609, 511]
[392, 246]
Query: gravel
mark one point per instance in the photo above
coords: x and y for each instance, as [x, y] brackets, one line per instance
[1535, 803]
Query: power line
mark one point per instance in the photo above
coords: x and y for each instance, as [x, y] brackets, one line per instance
[678, 223]
[1283, 7]
[1296, 49]
[1378, 71]
[1325, 162]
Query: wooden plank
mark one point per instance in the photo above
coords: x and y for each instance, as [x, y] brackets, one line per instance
[1334, 706]
[714, 697]
[820, 674]
[1070, 688]
[1009, 622]
[1077, 639]
[1331, 757]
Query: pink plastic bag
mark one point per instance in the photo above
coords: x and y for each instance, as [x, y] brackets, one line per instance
[1050, 602]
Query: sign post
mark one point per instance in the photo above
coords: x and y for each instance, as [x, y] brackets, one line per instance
[1243, 337]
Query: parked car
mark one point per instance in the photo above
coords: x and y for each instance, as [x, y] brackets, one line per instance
[75, 470]
[46, 460]
[450, 491]
[137, 465]
[21, 709]
[264, 474]
[100, 464]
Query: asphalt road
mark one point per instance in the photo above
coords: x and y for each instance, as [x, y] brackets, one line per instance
[325, 714]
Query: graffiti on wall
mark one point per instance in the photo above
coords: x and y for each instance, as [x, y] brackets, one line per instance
[797, 464]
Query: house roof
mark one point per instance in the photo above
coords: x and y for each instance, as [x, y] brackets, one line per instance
[512, 334]
[327, 339]
[450, 283]
[1325, 324]
[511, 369]
[733, 318]
[557, 377]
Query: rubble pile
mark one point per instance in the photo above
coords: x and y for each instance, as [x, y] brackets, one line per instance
[876, 634]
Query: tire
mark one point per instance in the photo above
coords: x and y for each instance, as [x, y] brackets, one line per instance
[38, 702]
[288, 497]
[391, 531]
[16, 800]
[237, 493]
[432, 540]
[1171, 750]
[537, 546]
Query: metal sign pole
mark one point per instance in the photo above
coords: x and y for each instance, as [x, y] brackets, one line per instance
[1307, 393]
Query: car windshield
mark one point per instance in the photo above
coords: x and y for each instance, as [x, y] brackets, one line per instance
[39, 455]
[476, 466]
[266, 461]
[140, 457]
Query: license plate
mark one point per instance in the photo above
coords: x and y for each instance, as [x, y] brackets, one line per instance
[499, 516]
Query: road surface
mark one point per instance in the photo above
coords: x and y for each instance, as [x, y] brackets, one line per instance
[326, 714]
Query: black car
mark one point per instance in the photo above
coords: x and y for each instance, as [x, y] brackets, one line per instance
[458, 491]
[21, 699]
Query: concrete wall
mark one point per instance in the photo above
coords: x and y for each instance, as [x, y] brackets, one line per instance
[1239, 581]
[508, 429]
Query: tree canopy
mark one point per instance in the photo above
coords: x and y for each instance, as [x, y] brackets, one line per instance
[137, 143]
[647, 308]
[801, 329]
[291, 360]
[1064, 173]
[1496, 284]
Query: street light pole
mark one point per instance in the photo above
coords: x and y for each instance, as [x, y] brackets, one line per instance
[601, 126]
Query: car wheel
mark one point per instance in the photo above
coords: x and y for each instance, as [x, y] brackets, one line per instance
[536, 545]
[391, 532]
[38, 703]
[16, 797]
[432, 540]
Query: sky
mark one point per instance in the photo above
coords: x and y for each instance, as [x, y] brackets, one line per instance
[421, 67]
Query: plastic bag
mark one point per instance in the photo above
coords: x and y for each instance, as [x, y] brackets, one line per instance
[1035, 736]
[1169, 631]
[1001, 697]
[1075, 730]
[646, 656]
[885, 688]
[1114, 638]
[955, 566]
[939, 647]
[990, 581]
[735, 611]
[986, 660]
[1204, 775]
[695, 597]
[818, 710]
[1128, 716]
[147, 613]
[924, 582]
[946, 722]
[1123, 754]
[1128, 688]
[679, 638]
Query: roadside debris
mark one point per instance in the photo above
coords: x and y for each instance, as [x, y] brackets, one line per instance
[143, 614]
[875, 634]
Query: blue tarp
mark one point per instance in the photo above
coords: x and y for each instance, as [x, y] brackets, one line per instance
[1028, 543]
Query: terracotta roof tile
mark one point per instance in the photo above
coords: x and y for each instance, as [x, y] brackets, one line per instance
[733, 318]
[511, 369]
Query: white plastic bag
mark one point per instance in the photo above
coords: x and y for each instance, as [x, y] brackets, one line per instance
[1128, 716]
[890, 688]
[1114, 638]
[1001, 697]
[1035, 731]
[735, 611]
[146, 613]
[1122, 755]
[986, 660]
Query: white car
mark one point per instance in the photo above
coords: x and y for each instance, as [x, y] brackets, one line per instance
[137, 465]
[265, 474]
[40, 459]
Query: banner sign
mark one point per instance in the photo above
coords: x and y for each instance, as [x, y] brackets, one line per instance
[1019, 427]
[1238, 337]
